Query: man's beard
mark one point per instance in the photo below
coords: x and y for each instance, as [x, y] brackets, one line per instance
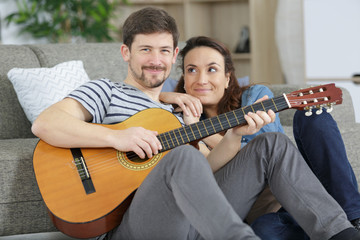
[147, 81]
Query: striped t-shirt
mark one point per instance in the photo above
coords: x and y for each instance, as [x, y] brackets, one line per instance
[113, 102]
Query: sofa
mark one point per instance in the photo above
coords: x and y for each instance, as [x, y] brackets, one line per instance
[23, 214]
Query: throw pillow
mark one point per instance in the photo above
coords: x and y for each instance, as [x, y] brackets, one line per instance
[38, 88]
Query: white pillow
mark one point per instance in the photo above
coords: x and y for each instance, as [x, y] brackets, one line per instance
[38, 88]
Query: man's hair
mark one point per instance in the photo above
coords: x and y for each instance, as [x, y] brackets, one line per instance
[146, 21]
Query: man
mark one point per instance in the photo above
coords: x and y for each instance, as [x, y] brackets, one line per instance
[181, 198]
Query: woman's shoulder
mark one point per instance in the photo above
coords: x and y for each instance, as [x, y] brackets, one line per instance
[254, 92]
[259, 89]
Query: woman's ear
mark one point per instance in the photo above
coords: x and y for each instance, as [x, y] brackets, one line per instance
[227, 76]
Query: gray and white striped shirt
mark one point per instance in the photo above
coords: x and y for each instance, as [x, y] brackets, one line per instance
[113, 102]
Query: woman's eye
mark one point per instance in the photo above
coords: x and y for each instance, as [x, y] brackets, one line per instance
[212, 69]
[191, 70]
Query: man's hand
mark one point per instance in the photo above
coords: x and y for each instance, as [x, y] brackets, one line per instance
[188, 104]
[141, 141]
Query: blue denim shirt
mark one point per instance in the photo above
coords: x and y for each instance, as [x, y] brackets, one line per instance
[249, 97]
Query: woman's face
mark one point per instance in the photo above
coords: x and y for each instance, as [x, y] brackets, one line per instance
[205, 76]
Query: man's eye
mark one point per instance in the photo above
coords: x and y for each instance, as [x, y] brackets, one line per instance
[145, 49]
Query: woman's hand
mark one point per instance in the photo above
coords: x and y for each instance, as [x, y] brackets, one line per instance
[188, 104]
[255, 121]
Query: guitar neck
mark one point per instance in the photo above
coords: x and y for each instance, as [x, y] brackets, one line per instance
[222, 122]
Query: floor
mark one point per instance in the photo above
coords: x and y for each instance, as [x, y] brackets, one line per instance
[39, 236]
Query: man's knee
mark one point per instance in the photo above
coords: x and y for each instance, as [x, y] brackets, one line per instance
[186, 153]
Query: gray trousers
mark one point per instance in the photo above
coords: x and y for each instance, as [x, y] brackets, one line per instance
[181, 199]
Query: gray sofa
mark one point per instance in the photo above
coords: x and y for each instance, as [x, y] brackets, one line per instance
[21, 208]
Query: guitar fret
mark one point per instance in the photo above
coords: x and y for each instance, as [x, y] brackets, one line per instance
[252, 108]
[198, 130]
[186, 134]
[227, 119]
[235, 117]
[178, 144]
[212, 124]
[263, 106]
[222, 128]
[181, 136]
[268, 105]
[243, 111]
[223, 121]
[163, 142]
[192, 132]
[205, 128]
[274, 105]
[171, 139]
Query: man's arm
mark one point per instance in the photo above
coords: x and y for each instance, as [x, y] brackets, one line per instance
[66, 124]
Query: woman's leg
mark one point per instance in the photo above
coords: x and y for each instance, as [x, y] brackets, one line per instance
[272, 158]
[320, 142]
[278, 226]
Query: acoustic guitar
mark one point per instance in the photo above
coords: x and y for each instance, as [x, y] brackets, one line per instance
[87, 191]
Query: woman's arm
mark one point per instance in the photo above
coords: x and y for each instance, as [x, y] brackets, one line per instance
[230, 144]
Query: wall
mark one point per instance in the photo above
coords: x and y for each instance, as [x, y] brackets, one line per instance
[332, 44]
[332, 38]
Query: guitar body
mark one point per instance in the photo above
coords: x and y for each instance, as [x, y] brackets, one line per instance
[114, 177]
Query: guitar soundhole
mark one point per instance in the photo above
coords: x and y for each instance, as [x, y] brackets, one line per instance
[135, 158]
[131, 161]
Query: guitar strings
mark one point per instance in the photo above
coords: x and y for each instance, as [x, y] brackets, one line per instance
[106, 163]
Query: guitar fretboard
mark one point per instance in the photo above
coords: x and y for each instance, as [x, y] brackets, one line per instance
[222, 122]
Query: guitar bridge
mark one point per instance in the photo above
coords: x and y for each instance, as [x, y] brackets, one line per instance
[83, 170]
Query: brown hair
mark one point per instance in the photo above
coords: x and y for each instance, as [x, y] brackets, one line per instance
[232, 97]
[149, 20]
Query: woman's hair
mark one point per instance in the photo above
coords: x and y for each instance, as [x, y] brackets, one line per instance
[149, 20]
[232, 97]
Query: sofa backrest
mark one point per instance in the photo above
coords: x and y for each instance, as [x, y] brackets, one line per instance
[100, 60]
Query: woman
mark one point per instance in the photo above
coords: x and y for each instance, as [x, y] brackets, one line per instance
[218, 91]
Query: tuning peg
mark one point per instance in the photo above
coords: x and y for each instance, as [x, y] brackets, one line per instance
[329, 109]
[309, 112]
[319, 111]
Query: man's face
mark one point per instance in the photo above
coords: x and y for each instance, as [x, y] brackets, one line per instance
[150, 59]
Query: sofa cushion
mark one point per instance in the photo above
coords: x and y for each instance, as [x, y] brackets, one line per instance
[38, 88]
[20, 200]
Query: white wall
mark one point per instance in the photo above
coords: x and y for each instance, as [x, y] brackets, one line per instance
[332, 44]
[332, 38]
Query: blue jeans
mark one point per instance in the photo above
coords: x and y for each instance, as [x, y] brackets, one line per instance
[320, 142]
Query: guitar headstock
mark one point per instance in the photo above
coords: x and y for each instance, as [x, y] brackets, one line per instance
[322, 96]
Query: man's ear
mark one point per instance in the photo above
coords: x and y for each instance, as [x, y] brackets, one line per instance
[176, 51]
[125, 52]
